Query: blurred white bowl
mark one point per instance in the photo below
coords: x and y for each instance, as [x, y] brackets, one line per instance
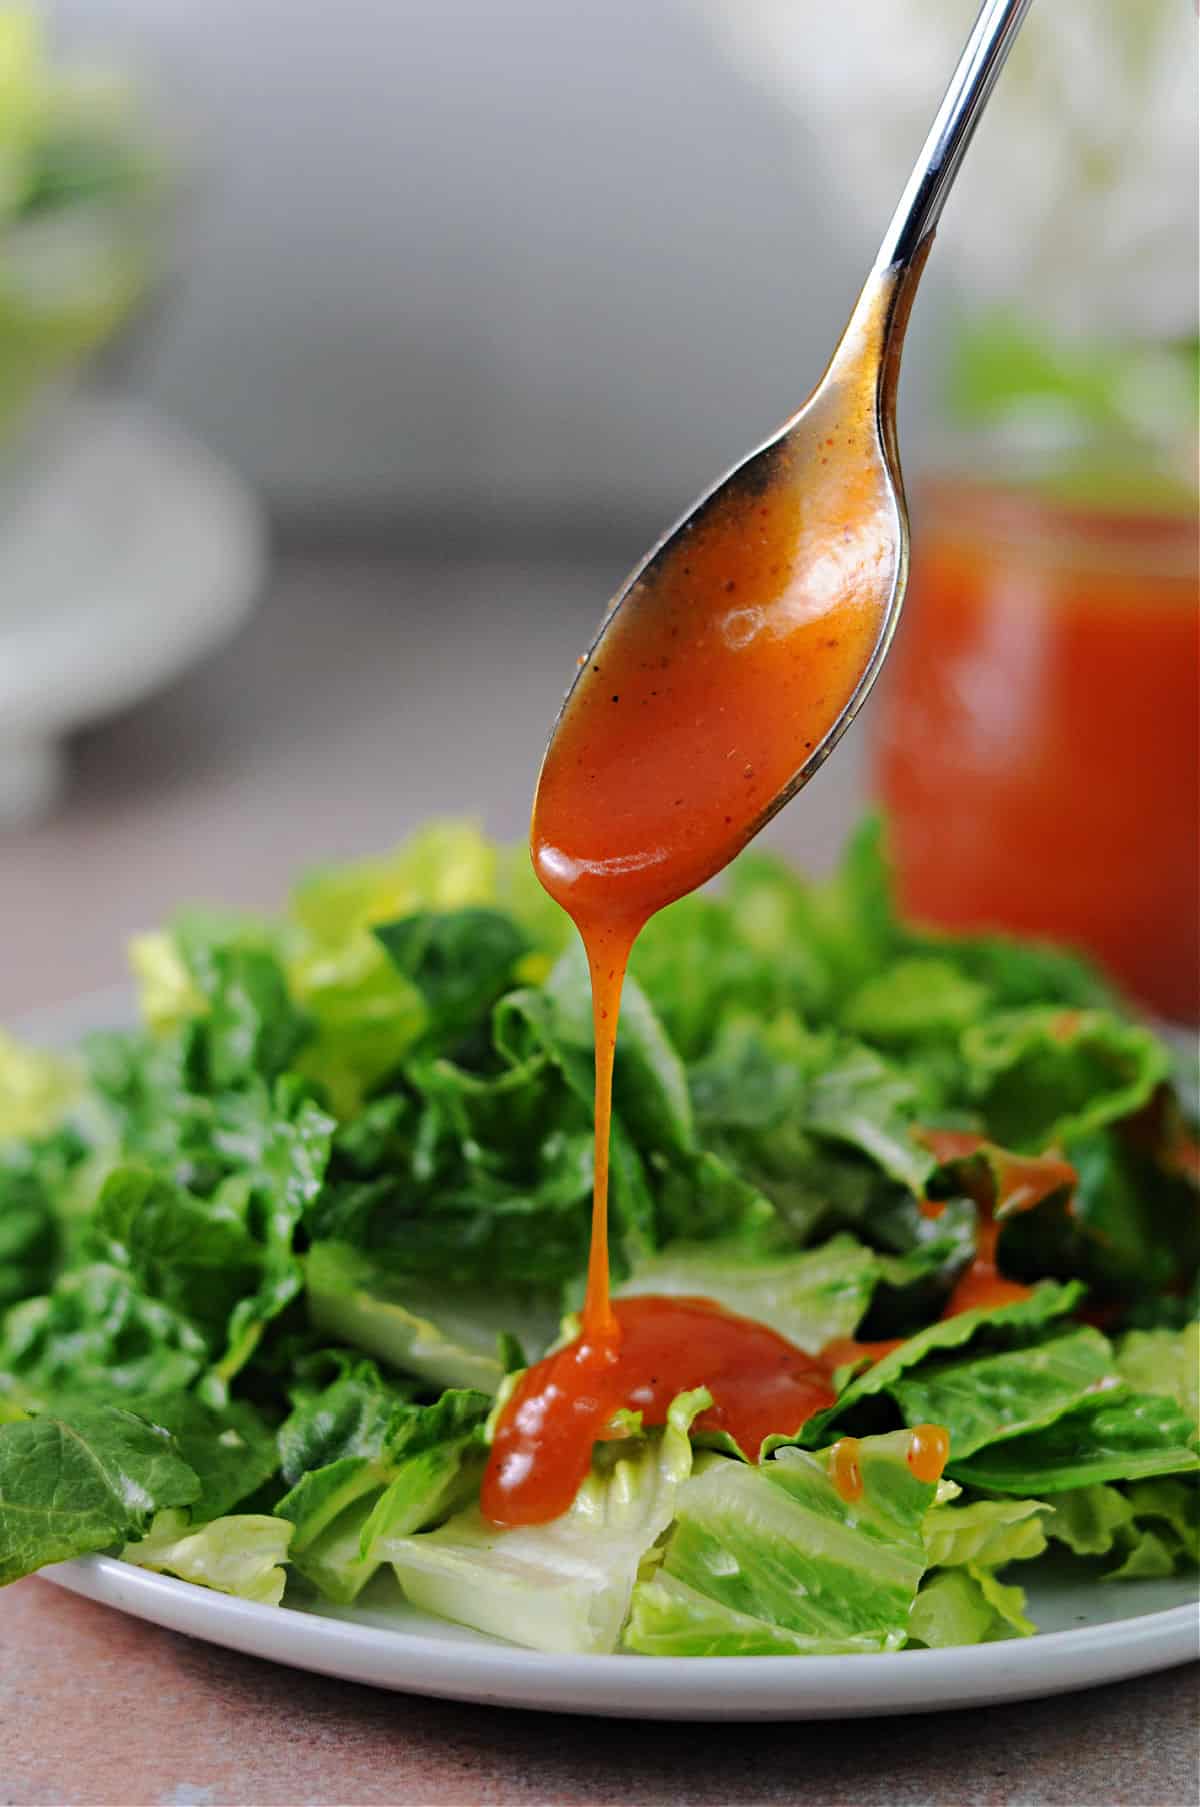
[130, 553]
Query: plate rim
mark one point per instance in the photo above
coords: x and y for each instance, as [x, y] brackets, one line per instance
[628, 1685]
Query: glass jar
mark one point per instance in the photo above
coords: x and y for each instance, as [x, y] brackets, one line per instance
[1038, 734]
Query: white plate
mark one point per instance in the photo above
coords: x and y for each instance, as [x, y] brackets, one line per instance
[1092, 1632]
[1117, 1631]
[134, 553]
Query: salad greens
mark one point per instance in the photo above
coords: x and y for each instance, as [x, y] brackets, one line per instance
[269, 1262]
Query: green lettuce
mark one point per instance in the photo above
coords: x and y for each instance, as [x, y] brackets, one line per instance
[82, 1480]
[38, 1181]
[967, 1606]
[772, 1560]
[1017, 1320]
[232, 1451]
[361, 1131]
[451, 1340]
[96, 1334]
[1044, 1076]
[1115, 1435]
[565, 1585]
[368, 1011]
[1149, 1527]
[984, 1533]
[1164, 1361]
[242, 1555]
[365, 1463]
[981, 1399]
[810, 1297]
[460, 961]
[914, 1000]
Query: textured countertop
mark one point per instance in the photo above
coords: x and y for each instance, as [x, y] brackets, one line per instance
[104, 1711]
[369, 693]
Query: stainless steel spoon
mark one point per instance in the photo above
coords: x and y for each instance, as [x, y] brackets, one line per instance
[852, 496]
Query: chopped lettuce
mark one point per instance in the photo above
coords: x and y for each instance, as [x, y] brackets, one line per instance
[38, 1180]
[448, 1341]
[967, 1606]
[984, 1533]
[81, 1480]
[1115, 1435]
[772, 1559]
[1046, 1303]
[565, 1585]
[98, 1336]
[231, 1451]
[1044, 1076]
[243, 1555]
[364, 1462]
[460, 961]
[914, 999]
[1164, 1361]
[809, 1297]
[981, 1399]
[1145, 1527]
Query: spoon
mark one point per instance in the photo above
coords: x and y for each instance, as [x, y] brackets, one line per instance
[742, 647]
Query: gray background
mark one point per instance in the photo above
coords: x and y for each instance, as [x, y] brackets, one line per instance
[522, 260]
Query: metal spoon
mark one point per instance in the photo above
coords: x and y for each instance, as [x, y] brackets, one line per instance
[849, 518]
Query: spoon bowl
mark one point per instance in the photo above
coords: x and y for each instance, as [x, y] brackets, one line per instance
[738, 652]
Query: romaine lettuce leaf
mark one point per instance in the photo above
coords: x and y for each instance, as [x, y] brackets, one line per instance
[984, 1533]
[1144, 1527]
[168, 996]
[460, 961]
[82, 1480]
[252, 1027]
[449, 1340]
[37, 1179]
[443, 866]
[232, 1452]
[1018, 973]
[1047, 1302]
[565, 1585]
[1171, 1507]
[95, 1334]
[872, 1106]
[283, 1152]
[369, 1015]
[914, 1000]
[784, 1562]
[1115, 1435]
[810, 1297]
[1164, 1361]
[1087, 1519]
[242, 1555]
[196, 1256]
[980, 1399]
[1044, 1076]
[967, 1606]
[669, 1618]
[364, 1461]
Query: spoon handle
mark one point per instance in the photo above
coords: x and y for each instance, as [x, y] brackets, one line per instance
[921, 204]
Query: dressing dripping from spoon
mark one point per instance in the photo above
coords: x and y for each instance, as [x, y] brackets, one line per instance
[723, 676]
